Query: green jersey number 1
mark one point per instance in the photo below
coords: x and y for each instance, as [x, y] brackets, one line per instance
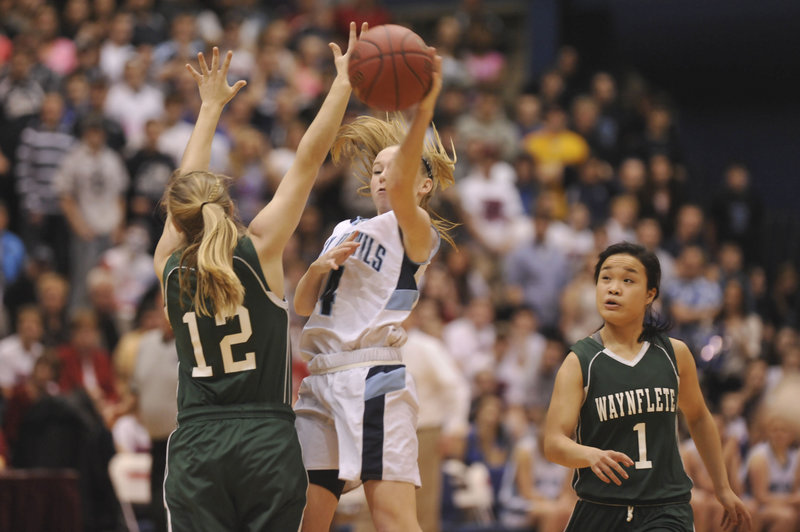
[643, 462]
[229, 340]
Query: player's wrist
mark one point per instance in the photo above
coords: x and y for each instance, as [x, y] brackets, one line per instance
[212, 105]
[341, 80]
[721, 491]
[320, 266]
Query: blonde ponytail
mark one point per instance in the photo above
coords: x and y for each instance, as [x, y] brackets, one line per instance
[199, 204]
[216, 280]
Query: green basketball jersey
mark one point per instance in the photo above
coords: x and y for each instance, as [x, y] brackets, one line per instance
[631, 407]
[242, 360]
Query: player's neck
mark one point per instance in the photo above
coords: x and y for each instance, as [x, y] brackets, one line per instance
[622, 339]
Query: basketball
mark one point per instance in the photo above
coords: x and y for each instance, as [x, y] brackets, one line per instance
[390, 68]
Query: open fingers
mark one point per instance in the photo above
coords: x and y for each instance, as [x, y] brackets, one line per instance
[723, 523]
[352, 236]
[436, 81]
[201, 59]
[622, 458]
[345, 250]
[215, 59]
[239, 85]
[227, 63]
[605, 474]
[364, 28]
[351, 40]
[746, 522]
[728, 520]
[437, 60]
[195, 74]
[619, 469]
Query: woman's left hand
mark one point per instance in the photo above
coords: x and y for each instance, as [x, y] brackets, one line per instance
[340, 59]
[736, 517]
[213, 82]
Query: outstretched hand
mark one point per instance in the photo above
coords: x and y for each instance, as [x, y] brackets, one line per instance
[213, 82]
[335, 257]
[341, 60]
[736, 517]
[428, 103]
[607, 464]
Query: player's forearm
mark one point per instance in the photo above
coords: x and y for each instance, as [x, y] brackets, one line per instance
[707, 440]
[197, 155]
[307, 291]
[319, 137]
[565, 451]
[406, 164]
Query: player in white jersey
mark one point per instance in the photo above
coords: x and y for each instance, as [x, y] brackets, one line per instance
[357, 411]
[772, 476]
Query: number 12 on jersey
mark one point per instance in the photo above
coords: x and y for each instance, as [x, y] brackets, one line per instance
[229, 364]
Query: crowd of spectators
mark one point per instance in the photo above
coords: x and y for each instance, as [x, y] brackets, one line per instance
[96, 108]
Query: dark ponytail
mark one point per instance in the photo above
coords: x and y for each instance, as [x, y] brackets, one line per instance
[653, 323]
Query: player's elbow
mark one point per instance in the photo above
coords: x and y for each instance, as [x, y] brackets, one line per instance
[549, 447]
[302, 308]
[303, 305]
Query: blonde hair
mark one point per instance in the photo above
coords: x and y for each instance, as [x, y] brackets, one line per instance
[362, 139]
[201, 208]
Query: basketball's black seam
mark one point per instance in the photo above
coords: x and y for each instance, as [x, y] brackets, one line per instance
[403, 52]
[365, 95]
[394, 67]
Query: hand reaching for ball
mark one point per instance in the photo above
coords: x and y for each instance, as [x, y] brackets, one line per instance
[341, 60]
[428, 103]
[391, 68]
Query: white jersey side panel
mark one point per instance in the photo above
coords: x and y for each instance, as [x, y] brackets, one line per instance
[363, 303]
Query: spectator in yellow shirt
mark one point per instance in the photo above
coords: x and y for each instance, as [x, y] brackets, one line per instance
[555, 146]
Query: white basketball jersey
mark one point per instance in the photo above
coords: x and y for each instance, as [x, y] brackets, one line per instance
[363, 303]
[781, 476]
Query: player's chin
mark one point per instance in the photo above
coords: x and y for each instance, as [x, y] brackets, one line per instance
[612, 315]
[381, 202]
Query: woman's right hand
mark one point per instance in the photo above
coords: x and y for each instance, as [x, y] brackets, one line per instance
[428, 103]
[213, 82]
[606, 464]
[335, 257]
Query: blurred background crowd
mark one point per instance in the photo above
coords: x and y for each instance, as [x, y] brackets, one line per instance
[557, 158]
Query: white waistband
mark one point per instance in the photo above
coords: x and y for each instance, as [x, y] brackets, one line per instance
[372, 356]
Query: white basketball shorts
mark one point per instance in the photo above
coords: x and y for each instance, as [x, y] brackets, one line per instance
[362, 421]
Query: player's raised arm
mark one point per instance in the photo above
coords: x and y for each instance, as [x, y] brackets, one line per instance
[272, 227]
[402, 175]
[214, 94]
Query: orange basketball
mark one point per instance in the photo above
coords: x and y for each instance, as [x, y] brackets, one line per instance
[390, 68]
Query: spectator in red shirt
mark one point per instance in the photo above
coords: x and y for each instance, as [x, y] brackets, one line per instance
[84, 364]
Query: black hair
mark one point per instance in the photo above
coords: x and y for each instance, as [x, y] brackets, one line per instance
[653, 323]
[552, 334]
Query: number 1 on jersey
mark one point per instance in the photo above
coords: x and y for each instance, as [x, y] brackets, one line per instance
[642, 462]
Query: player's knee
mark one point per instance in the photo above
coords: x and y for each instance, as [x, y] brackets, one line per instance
[392, 518]
[328, 479]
